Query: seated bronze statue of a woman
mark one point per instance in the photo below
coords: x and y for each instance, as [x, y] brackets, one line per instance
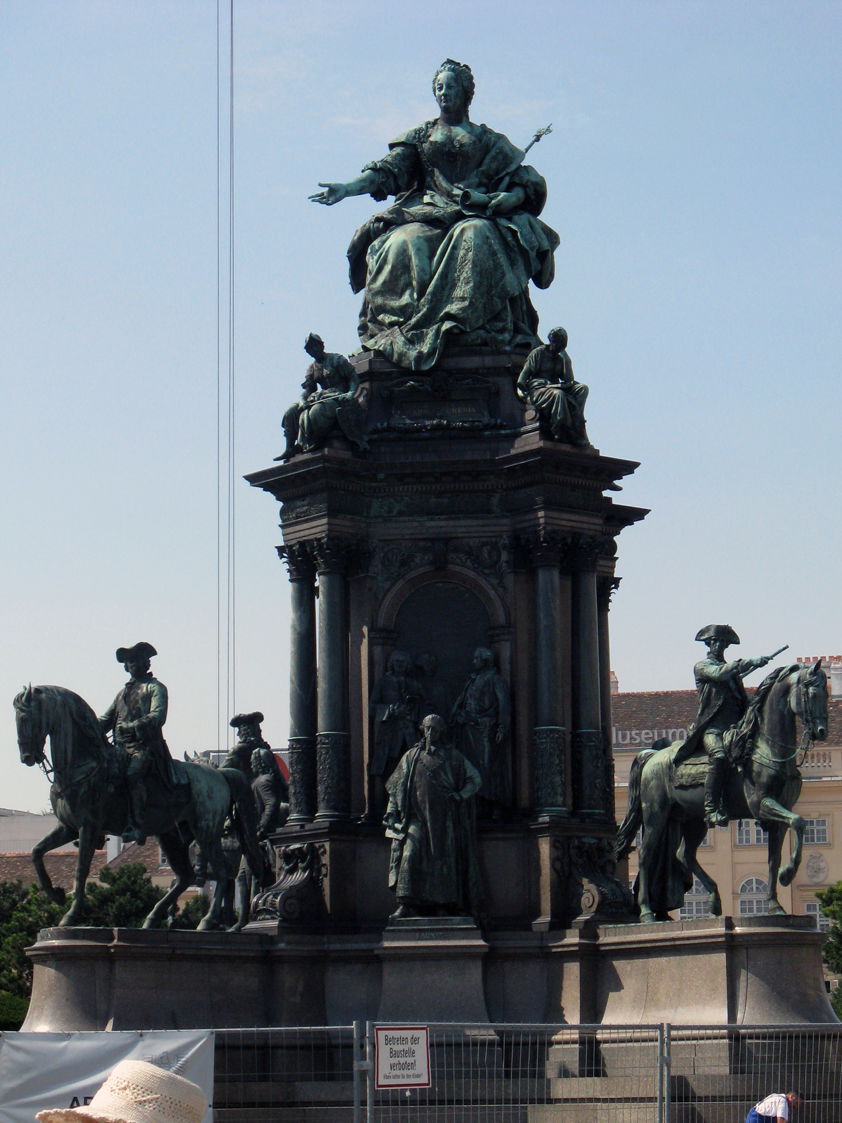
[451, 260]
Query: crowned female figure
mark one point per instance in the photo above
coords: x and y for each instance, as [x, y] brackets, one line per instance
[451, 260]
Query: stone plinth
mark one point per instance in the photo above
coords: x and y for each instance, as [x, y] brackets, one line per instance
[432, 971]
[737, 971]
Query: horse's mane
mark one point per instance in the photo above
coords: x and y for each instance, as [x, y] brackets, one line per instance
[74, 711]
[746, 728]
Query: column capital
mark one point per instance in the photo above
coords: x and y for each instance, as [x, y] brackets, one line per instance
[605, 589]
[332, 554]
[585, 551]
[298, 558]
[543, 546]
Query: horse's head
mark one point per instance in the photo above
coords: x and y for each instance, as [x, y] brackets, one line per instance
[32, 732]
[808, 699]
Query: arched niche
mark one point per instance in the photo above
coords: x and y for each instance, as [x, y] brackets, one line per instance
[446, 614]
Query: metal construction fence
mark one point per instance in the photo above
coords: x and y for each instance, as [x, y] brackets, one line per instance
[465, 1073]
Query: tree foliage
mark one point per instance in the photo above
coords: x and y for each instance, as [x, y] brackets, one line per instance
[24, 911]
[122, 898]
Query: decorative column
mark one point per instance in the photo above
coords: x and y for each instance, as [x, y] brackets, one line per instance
[604, 589]
[549, 734]
[302, 683]
[590, 796]
[333, 759]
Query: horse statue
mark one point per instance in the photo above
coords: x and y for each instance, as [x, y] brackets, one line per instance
[89, 796]
[764, 784]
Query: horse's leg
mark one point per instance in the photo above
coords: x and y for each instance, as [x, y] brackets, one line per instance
[653, 829]
[219, 871]
[694, 832]
[772, 813]
[89, 835]
[60, 836]
[178, 856]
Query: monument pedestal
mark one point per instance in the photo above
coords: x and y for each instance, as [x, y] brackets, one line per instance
[719, 971]
[432, 971]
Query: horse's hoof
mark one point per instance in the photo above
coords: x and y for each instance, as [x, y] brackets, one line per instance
[57, 896]
[716, 906]
[786, 875]
[775, 909]
[647, 916]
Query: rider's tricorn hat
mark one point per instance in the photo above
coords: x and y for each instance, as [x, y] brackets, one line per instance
[139, 651]
[137, 1092]
[246, 719]
[717, 631]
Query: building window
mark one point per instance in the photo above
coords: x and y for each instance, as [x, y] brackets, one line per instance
[753, 896]
[163, 860]
[696, 902]
[815, 832]
[823, 923]
[750, 833]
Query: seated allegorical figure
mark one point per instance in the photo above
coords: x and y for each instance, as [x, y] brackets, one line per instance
[452, 259]
[546, 381]
[329, 401]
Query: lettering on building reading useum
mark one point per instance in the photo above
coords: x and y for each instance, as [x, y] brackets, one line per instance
[620, 738]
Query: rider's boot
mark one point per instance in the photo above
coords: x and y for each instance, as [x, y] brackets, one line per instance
[714, 815]
[137, 809]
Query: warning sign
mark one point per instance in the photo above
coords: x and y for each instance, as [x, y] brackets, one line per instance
[402, 1057]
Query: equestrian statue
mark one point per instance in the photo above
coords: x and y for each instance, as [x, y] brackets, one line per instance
[753, 758]
[94, 786]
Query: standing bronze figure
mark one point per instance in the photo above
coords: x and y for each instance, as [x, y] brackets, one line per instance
[430, 819]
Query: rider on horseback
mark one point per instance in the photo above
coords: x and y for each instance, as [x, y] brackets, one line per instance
[722, 702]
[136, 716]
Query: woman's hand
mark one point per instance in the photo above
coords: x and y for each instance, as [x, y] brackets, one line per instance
[504, 202]
[333, 193]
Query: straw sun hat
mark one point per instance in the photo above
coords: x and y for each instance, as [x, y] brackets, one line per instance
[137, 1092]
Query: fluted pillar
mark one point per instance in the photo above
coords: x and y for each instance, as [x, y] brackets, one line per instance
[302, 683]
[549, 733]
[333, 762]
[590, 795]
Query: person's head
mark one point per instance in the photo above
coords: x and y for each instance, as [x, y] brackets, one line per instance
[557, 339]
[136, 659]
[247, 726]
[137, 1092]
[453, 83]
[717, 637]
[314, 345]
[794, 1098]
[399, 662]
[483, 658]
[433, 729]
[427, 663]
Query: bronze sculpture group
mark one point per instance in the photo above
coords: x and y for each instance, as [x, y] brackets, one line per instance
[447, 264]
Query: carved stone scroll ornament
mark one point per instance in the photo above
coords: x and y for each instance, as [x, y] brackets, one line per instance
[595, 890]
[296, 897]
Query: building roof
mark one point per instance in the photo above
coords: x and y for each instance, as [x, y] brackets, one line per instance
[61, 866]
[658, 712]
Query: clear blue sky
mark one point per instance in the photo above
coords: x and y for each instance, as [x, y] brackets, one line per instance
[694, 178]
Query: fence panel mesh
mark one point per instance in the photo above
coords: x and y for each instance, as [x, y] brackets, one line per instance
[289, 1075]
[532, 1074]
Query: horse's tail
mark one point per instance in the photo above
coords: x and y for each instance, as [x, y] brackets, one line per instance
[629, 827]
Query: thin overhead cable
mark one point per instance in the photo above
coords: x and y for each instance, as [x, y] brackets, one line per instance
[225, 383]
